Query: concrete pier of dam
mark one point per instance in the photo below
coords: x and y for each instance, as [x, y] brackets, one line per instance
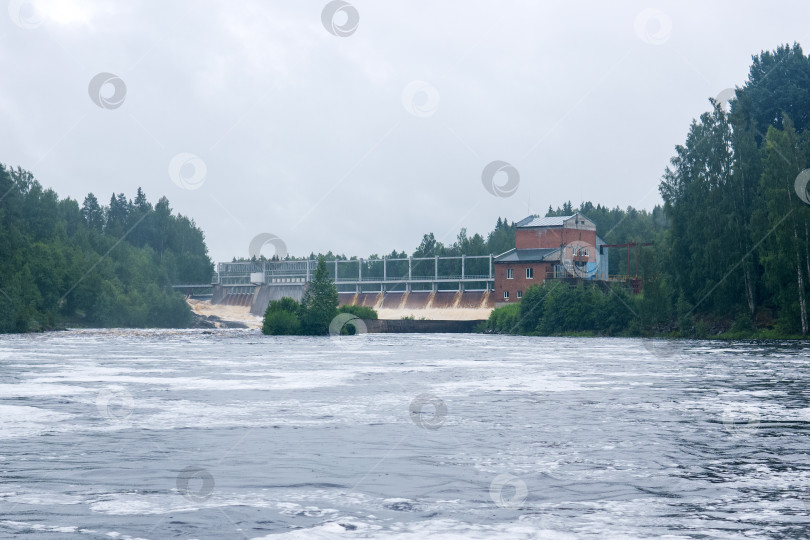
[440, 305]
[420, 300]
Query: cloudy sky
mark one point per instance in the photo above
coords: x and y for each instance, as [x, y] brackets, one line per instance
[358, 127]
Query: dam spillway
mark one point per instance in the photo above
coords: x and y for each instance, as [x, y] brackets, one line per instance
[390, 286]
[419, 300]
[380, 301]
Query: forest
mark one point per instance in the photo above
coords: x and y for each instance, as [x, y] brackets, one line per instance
[92, 265]
[731, 249]
[732, 245]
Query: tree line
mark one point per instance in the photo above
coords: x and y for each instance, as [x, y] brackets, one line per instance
[91, 264]
[732, 241]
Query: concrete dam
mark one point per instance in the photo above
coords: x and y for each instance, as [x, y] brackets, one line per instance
[429, 287]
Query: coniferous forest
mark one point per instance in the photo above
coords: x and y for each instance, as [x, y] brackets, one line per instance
[731, 253]
[89, 264]
[734, 255]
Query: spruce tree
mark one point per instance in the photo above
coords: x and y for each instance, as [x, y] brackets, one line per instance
[320, 302]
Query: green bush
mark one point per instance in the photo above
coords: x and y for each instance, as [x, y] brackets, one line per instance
[359, 311]
[556, 308]
[504, 319]
[281, 323]
[282, 318]
[285, 304]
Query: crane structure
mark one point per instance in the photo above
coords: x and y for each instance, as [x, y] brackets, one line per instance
[634, 281]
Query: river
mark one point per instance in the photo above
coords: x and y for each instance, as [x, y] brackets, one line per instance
[231, 434]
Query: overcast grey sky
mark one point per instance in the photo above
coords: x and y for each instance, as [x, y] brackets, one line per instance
[360, 143]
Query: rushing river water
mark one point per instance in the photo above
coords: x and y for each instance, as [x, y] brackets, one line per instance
[231, 434]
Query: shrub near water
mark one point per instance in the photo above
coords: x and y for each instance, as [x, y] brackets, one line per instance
[281, 318]
[362, 312]
[550, 309]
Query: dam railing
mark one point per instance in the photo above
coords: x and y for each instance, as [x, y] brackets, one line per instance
[464, 272]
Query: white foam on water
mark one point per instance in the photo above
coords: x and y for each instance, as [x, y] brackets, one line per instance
[43, 498]
[270, 380]
[20, 525]
[24, 421]
[597, 432]
[33, 389]
[527, 382]
[63, 529]
[439, 529]
[134, 504]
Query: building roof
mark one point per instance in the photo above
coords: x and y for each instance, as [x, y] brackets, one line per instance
[552, 221]
[526, 255]
[536, 221]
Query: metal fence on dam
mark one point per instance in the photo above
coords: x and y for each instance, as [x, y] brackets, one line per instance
[365, 275]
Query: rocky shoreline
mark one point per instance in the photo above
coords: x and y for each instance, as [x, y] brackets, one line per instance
[212, 321]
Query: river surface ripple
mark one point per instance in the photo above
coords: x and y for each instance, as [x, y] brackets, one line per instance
[231, 434]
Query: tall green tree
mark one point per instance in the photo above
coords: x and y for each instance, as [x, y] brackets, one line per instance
[781, 224]
[92, 214]
[777, 85]
[320, 302]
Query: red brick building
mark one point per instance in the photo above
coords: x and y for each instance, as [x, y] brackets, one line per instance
[549, 247]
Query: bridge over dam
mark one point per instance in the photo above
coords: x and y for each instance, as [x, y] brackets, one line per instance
[382, 283]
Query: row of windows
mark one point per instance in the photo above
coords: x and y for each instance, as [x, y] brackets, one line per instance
[529, 274]
[506, 295]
